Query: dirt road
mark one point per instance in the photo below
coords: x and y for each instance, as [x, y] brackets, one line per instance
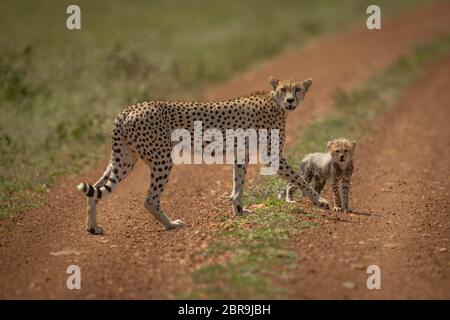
[401, 203]
[137, 259]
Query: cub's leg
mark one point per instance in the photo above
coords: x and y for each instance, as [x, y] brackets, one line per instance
[291, 188]
[336, 194]
[319, 184]
[160, 171]
[286, 172]
[346, 190]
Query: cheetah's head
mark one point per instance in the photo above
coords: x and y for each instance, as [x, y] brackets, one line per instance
[289, 93]
[341, 150]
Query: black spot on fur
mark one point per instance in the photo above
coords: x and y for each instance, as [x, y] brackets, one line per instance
[91, 191]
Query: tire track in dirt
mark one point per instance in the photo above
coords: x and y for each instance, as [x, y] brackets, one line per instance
[401, 199]
[136, 258]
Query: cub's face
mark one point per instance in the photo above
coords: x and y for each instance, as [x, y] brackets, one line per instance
[341, 150]
[289, 93]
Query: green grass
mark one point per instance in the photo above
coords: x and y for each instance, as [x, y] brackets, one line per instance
[257, 246]
[60, 89]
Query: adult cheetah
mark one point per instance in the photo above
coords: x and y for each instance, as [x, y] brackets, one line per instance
[144, 131]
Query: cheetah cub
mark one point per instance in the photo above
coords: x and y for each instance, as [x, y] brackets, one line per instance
[336, 164]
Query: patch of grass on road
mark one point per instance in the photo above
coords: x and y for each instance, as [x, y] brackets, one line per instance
[258, 245]
[60, 90]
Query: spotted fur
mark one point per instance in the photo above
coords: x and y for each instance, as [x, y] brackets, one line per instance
[144, 131]
[317, 168]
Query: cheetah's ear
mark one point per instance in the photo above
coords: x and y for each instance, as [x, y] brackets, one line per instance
[330, 143]
[273, 82]
[353, 143]
[307, 84]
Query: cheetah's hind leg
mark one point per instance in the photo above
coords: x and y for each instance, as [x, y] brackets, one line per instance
[116, 171]
[160, 171]
[91, 221]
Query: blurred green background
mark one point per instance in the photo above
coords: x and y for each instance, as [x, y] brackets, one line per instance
[60, 89]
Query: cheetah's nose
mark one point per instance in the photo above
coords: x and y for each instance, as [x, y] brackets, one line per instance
[341, 157]
[290, 100]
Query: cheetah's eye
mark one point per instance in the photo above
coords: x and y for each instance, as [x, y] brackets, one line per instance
[345, 150]
[298, 89]
[283, 89]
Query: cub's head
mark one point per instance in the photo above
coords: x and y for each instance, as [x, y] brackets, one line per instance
[289, 93]
[341, 150]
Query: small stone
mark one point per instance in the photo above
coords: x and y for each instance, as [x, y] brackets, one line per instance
[357, 266]
[348, 285]
[65, 252]
[258, 206]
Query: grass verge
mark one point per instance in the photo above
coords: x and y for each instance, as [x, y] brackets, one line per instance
[257, 246]
[60, 90]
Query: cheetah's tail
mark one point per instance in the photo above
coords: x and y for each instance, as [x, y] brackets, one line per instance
[94, 192]
[114, 173]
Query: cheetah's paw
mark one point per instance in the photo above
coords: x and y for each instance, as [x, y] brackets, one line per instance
[175, 224]
[337, 209]
[95, 230]
[323, 203]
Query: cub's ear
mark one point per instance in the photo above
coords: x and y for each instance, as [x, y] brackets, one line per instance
[273, 82]
[307, 84]
[353, 145]
[330, 143]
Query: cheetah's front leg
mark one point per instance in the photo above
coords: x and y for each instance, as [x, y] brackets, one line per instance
[239, 171]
